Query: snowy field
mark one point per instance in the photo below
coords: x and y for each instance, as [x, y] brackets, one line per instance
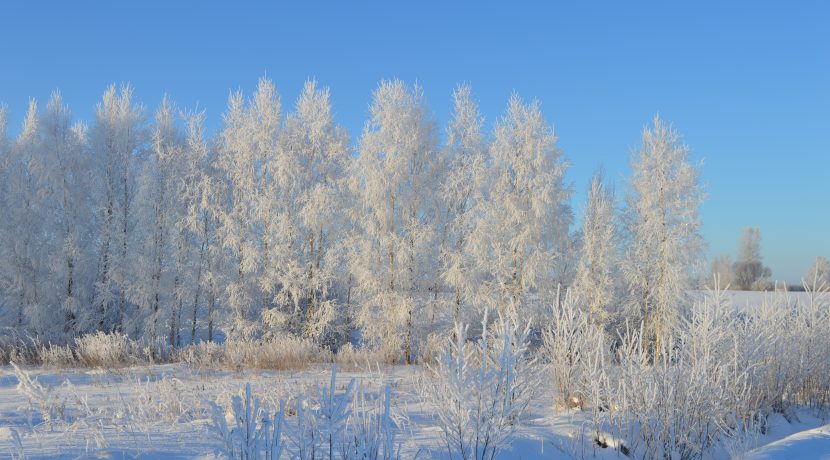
[163, 412]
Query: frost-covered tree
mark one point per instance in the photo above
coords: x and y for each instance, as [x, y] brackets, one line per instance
[749, 270]
[722, 271]
[117, 140]
[247, 146]
[202, 208]
[818, 276]
[595, 287]
[393, 182]
[308, 223]
[663, 230]
[63, 170]
[158, 279]
[460, 193]
[523, 221]
[21, 259]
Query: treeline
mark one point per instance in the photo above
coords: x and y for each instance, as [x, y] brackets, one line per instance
[279, 224]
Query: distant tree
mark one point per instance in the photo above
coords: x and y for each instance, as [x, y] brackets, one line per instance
[662, 224]
[595, 287]
[722, 270]
[818, 276]
[749, 270]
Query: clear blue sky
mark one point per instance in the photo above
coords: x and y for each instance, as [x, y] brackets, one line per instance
[746, 83]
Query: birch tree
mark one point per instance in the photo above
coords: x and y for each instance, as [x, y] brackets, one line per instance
[461, 193]
[525, 216]
[307, 225]
[158, 279]
[595, 285]
[663, 230]
[247, 145]
[63, 169]
[393, 182]
[22, 262]
[750, 272]
[722, 271]
[202, 200]
[117, 140]
[818, 276]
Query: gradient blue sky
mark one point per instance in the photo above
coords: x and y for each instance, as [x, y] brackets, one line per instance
[746, 83]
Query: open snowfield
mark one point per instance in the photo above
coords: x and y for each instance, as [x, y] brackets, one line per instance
[163, 411]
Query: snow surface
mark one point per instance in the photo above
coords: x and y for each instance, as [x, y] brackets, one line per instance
[805, 445]
[161, 412]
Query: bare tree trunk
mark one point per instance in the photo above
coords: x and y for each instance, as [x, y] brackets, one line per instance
[196, 296]
[105, 268]
[122, 298]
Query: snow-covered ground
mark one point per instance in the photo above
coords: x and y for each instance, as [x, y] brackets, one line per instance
[807, 444]
[163, 411]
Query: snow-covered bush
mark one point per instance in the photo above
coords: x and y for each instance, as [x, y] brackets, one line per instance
[21, 350]
[479, 390]
[575, 348]
[785, 344]
[372, 428]
[250, 435]
[287, 352]
[679, 402]
[43, 399]
[106, 350]
[56, 355]
[203, 355]
[351, 358]
[321, 421]
[346, 424]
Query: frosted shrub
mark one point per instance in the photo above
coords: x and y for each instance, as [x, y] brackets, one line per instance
[19, 349]
[575, 349]
[106, 350]
[329, 424]
[39, 397]
[250, 435]
[480, 390]
[286, 352]
[321, 421]
[679, 402]
[202, 355]
[351, 358]
[785, 344]
[56, 355]
[372, 428]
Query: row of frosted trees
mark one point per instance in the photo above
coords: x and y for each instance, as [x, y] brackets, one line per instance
[279, 224]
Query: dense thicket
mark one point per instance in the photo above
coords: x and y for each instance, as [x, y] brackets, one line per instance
[278, 224]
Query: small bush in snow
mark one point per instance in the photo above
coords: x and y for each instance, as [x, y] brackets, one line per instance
[250, 435]
[575, 348]
[480, 390]
[287, 352]
[106, 350]
[351, 358]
